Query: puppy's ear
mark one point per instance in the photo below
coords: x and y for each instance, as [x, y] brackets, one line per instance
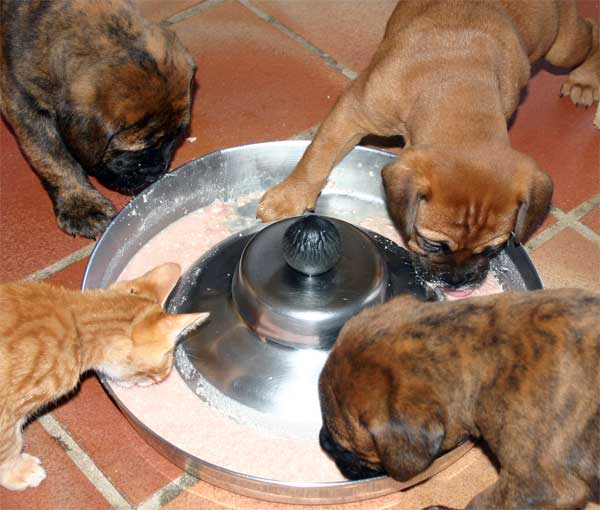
[410, 440]
[84, 117]
[405, 186]
[535, 195]
[86, 135]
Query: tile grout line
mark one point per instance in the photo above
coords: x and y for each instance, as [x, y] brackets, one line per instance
[61, 264]
[192, 11]
[585, 207]
[571, 219]
[545, 236]
[325, 57]
[84, 462]
[566, 220]
[169, 492]
[586, 232]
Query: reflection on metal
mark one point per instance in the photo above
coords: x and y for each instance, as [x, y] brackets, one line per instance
[272, 327]
[354, 194]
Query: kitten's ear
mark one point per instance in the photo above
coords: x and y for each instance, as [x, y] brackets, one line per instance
[174, 325]
[156, 283]
[162, 279]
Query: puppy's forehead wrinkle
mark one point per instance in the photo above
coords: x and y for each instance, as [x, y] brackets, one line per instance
[464, 224]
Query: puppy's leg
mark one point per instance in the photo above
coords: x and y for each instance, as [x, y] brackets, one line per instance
[577, 45]
[338, 134]
[79, 207]
[544, 489]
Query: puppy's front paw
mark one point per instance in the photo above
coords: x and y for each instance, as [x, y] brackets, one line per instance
[22, 472]
[85, 213]
[284, 201]
[583, 83]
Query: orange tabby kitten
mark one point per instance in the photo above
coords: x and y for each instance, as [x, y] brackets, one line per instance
[50, 335]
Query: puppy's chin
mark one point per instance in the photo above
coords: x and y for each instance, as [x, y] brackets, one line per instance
[451, 276]
[348, 462]
[127, 182]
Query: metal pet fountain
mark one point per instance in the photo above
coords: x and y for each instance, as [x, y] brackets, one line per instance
[278, 295]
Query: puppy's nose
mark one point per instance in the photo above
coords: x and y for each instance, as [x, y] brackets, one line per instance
[456, 279]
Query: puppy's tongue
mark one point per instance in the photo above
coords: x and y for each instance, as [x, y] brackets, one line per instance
[458, 293]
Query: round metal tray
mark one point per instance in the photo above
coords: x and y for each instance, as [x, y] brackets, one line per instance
[354, 193]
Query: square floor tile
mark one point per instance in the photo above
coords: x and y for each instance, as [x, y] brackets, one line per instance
[254, 83]
[94, 421]
[592, 220]
[569, 260]
[347, 31]
[65, 486]
[70, 277]
[561, 138]
[29, 236]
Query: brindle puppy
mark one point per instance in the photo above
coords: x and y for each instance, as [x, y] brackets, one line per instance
[91, 88]
[407, 381]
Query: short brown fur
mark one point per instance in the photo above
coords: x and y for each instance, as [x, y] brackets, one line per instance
[407, 381]
[50, 335]
[447, 77]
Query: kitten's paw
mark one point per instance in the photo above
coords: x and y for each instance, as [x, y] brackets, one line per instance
[22, 472]
[86, 213]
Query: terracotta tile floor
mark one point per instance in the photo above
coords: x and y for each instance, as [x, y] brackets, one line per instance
[268, 69]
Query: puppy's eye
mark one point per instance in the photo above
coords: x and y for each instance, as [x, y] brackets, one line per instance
[433, 246]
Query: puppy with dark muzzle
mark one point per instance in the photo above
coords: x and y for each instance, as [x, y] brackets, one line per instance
[92, 88]
[407, 381]
[447, 77]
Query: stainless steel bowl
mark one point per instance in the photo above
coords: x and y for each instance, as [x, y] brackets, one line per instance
[272, 325]
[354, 193]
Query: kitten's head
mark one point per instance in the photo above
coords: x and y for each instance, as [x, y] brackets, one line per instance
[145, 355]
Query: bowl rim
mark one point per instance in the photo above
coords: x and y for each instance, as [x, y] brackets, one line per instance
[265, 488]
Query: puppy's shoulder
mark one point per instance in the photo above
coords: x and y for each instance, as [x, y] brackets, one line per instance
[378, 322]
[576, 299]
